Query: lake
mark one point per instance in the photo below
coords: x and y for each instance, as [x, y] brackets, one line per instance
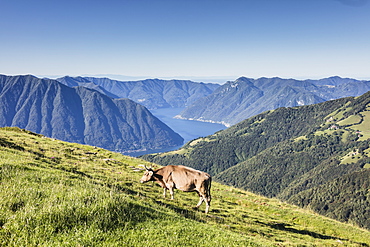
[188, 129]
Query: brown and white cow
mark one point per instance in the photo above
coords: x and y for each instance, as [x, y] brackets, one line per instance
[183, 178]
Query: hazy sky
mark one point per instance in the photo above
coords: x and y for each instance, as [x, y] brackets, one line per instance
[191, 38]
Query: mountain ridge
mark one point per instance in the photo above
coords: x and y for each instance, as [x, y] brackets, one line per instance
[229, 105]
[80, 115]
[152, 93]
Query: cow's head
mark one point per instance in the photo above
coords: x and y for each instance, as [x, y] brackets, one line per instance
[148, 175]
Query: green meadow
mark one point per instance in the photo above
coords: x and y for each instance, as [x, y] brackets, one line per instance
[56, 193]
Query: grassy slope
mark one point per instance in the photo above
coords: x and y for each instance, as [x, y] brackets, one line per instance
[56, 193]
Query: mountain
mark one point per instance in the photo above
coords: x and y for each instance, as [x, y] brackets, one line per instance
[240, 99]
[80, 115]
[152, 93]
[55, 193]
[316, 156]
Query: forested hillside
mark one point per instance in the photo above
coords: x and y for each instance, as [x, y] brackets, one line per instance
[227, 148]
[292, 154]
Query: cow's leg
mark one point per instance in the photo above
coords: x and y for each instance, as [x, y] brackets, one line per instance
[208, 203]
[201, 199]
[170, 186]
[164, 192]
[171, 193]
[204, 197]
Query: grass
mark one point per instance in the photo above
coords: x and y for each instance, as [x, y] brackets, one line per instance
[351, 120]
[355, 123]
[300, 138]
[182, 151]
[352, 157]
[364, 126]
[55, 193]
[198, 140]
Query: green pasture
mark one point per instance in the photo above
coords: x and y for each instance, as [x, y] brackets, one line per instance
[55, 193]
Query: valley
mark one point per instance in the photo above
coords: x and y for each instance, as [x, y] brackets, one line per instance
[187, 129]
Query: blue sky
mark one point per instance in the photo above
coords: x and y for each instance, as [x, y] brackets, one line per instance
[186, 38]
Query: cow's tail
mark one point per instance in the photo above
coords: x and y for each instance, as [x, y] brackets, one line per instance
[208, 193]
[209, 184]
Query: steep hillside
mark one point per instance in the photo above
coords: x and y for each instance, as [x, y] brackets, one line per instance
[227, 148]
[80, 115]
[55, 193]
[292, 151]
[345, 198]
[152, 93]
[245, 97]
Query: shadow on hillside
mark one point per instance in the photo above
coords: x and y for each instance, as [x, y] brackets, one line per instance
[8, 144]
[288, 228]
[116, 215]
[190, 214]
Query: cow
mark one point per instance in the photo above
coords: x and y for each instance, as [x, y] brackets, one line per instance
[183, 178]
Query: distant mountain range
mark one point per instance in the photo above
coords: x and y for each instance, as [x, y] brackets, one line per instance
[81, 115]
[245, 97]
[151, 93]
[315, 156]
[229, 103]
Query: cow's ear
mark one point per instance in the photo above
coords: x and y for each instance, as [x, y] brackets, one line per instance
[151, 173]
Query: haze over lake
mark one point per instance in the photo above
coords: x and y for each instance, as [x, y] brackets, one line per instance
[188, 129]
